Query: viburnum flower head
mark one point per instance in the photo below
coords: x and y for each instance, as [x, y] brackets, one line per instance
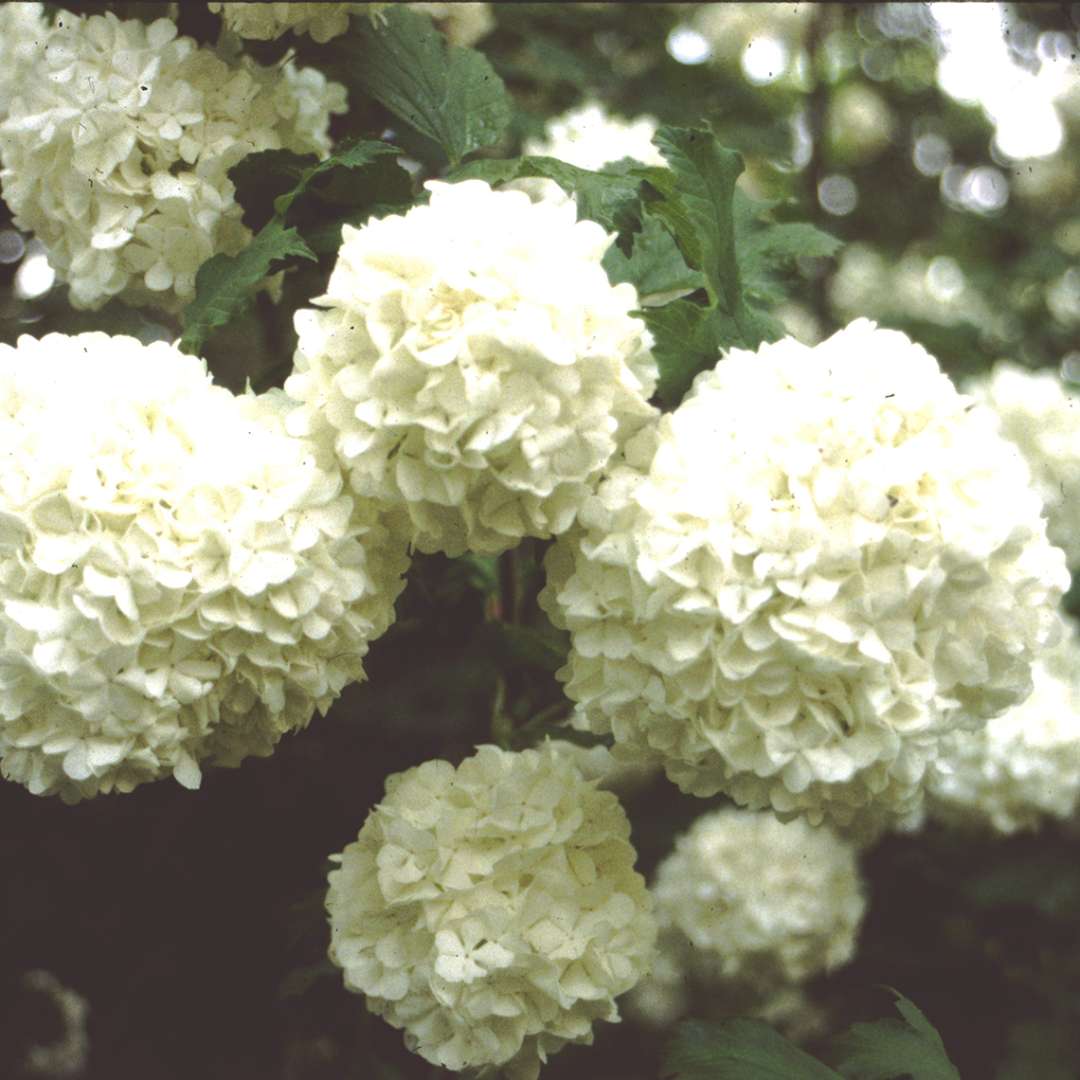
[474, 366]
[1042, 418]
[117, 143]
[266, 21]
[492, 910]
[180, 579]
[821, 563]
[1024, 766]
[590, 138]
[463, 23]
[747, 908]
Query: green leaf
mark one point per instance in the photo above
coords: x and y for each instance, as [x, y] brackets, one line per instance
[696, 194]
[688, 340]
[655, 266]
[262, 177]
[886, 1049]
[362, 172]
[332, 179]
[225, 284]
[608, 196]
[738, 1049]
[764, 247]
[450, 94]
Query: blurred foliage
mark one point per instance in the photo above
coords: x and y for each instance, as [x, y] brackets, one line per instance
[193, 923]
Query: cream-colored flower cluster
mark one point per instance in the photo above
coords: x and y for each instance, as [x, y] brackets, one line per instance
[21, 42]
[823, 561]
[1023, 766]
[463, 24]
[590, 138]
[180, 579]
[747, 908]
[1042, 419]
[474, 366]
[267, 21]
[118, 140]
[492, 910]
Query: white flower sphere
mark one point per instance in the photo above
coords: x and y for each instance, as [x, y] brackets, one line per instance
[22, 32]
[590, 138]
[492, 910]
[1042, 418]
[180, 579]
[474, 366]
[266, 21]
[463, 24]
[823, 561]
[757, 905]
[117, 143]
[1024, 766]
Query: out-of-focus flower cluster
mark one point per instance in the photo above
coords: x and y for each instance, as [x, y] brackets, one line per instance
[1023, 766]
[747, 908]
[68, 1052]
[264, 22]
[1039, 415]
[472, 364]
[117, 140]
[463, 23]
[820, 563]
[590, 138]
[933, 290]
[492, 911]
[180, 580]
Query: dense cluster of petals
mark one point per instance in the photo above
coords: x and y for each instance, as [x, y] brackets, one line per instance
[180, 579]
[821, 563]
[267, 21]
[1042, 418]
[747, 908]
[1024, 766]
[492, 910]
[21, 28]
[473, 365]
[116, 144]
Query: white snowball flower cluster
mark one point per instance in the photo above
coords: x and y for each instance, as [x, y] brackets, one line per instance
[1042, 418]
[267, 21]
[590, 138]
[474, 365]
[747, 908]
[117, 144]
[823, 561]
[492, 910]
[21, 40]
[180, 579]
[1023, 766]
[463, 24]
